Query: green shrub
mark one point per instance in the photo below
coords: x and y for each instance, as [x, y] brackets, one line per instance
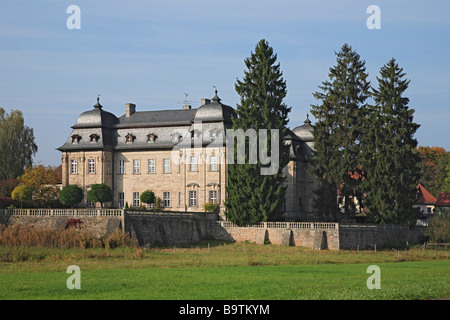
[211, 207]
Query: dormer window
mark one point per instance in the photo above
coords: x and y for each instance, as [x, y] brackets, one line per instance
[76, 138]
[151, 138]
[176, 137]
[129, 138]
[213, 134]
[195, 134]
[94, 137]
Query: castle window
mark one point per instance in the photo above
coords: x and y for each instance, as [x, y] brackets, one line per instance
[212, 163]
[91, 166]
[195, 134]
[213, 196]
[151, 165]
[176, 137]
[151, 138]
[129, 138]
[136, 166]
[121, 200]
[94, 137]
[213, 134]
[166, 165]
[193, 163]
[192, 198]
[166, 199]
[73, 166]
[121, 166]
[76, 138]
[135, 199]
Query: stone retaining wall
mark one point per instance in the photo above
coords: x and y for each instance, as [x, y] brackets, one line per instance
[172, 228]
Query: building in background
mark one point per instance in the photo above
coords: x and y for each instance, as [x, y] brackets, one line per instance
[179, 154]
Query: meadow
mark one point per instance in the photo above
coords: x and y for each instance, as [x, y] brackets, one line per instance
[222, 271]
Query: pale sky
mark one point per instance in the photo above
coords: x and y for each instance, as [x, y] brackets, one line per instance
[153, 52]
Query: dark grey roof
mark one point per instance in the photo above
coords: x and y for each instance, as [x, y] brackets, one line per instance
[157, 118]
[215, 111]
[305, 131]
[94, 118]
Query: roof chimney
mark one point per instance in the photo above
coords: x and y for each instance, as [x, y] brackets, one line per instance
[186, 107]
[205, 101]
[130, 108]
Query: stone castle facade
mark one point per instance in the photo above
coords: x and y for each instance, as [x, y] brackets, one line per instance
[179, 154]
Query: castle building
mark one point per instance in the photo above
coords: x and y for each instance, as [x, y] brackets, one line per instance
[179, 154]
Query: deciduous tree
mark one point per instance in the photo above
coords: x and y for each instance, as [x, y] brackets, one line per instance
[100, 193]
[17, 145]
[71, 195]
[42, 182]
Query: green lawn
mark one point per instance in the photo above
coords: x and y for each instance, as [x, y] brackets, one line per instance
[224, 272]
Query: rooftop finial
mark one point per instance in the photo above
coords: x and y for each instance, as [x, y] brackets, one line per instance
[98, 105]
[307, 121]
[216, 97]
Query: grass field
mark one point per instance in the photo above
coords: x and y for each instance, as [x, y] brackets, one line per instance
[241, 271]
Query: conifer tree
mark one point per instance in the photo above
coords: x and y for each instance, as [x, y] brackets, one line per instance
[392, 165]
[251, 196]
[338, 130]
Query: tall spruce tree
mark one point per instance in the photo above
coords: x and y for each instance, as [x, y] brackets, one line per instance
[392, 165]
[251, 196]
[338, 130]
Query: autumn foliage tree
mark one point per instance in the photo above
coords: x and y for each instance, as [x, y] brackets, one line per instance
[42, 183]
[436, 169]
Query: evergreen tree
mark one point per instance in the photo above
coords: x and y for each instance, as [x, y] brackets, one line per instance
[251, 196]
[393, 165]
[340, 119]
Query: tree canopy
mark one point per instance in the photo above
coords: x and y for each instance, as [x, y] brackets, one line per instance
[100, 192]
[17, 145]
[251, 195]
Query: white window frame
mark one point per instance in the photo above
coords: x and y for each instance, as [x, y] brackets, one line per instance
[73, 166]
[192, 198]
[136, 166]
[121, 166]
[151, 166]
[136, 199]
[213, 196]
[166, 199]
[193, 163]
[213, 163]
[166, 165]
[91, 166]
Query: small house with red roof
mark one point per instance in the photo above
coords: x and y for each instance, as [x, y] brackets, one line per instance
[443, 202]
[425, 200]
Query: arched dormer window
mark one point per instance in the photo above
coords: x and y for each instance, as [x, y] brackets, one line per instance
[94, 137]
[176, 137]
[195, 134]
[129, 138]
[151, 138]
[76, 138]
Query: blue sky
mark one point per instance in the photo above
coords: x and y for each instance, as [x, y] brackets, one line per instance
[152, 52]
